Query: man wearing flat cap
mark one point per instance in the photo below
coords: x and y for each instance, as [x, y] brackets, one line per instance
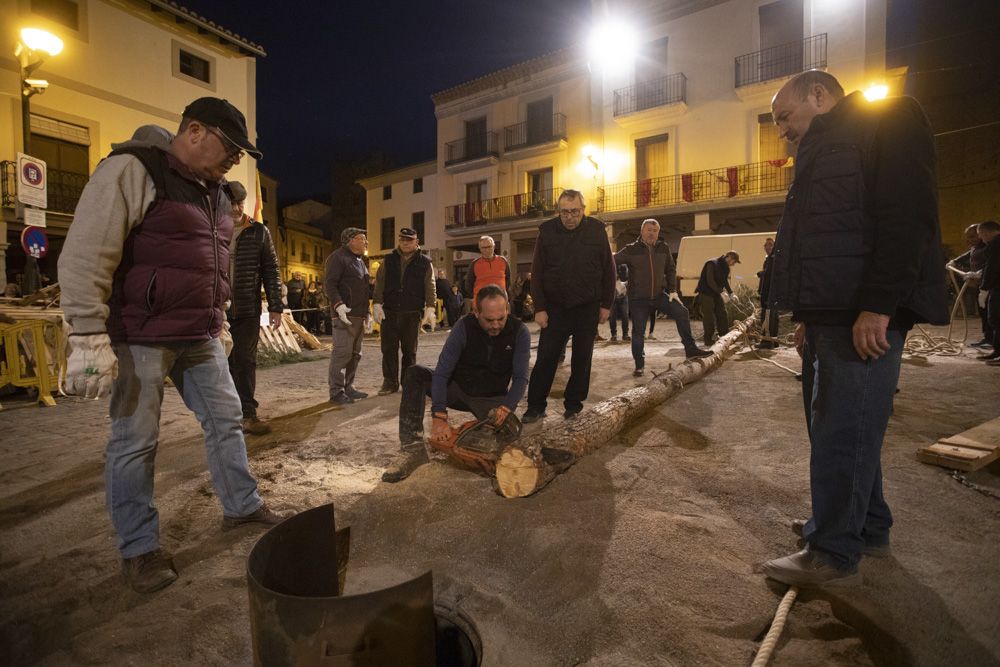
[404, 289]
[145, 276]
[253, 263]
[346, 285]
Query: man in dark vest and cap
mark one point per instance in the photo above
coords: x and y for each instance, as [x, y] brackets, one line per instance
[145, 276]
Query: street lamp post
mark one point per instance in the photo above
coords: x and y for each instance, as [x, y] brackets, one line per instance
[31, 51]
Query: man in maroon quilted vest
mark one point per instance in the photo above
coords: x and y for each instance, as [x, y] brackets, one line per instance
[145, 276]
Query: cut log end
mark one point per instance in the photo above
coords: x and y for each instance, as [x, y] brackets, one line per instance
[517, 474]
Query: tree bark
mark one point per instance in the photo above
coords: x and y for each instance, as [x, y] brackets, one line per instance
[527, 465]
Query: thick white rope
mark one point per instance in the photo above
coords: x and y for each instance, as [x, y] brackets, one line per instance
[777, 625]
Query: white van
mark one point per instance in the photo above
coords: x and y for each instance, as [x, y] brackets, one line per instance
[694, 251]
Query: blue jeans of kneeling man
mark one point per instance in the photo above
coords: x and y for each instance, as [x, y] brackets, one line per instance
[847, 403]
[200, 372]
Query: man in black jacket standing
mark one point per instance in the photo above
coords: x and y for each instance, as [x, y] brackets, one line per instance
[714, 293]
[652, 284]
[254, 262]
[858, 261]
[573, 286]
[989, 286]
[346, 285]
[768, 317]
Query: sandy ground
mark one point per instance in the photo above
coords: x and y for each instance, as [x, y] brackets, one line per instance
[645, 553]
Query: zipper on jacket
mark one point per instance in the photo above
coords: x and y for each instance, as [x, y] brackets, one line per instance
[215, 250]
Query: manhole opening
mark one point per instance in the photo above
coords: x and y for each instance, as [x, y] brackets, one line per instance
[456, 639]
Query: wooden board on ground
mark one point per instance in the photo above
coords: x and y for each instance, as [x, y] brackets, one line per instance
[969, 450]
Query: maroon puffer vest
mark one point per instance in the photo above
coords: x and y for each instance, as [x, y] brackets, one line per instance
[173, 278]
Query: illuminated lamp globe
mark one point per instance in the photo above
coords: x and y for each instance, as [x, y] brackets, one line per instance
[41, 40]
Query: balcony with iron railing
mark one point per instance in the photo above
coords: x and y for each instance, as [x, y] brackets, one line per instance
[64, 187]
[525, 135]
[661, 92]
[781, 61]
[502, 209]
[472, 150]
[722, 183]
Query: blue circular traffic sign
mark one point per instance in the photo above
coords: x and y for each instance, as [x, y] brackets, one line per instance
[35, 242]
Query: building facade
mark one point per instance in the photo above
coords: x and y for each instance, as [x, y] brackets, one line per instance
[99, 92]
[681, 131]
[302, 246]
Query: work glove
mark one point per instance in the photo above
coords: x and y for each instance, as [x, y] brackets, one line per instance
[983, 296]
[673, 296]
[499, 414]
[226, 337]
[378, 313]
[91, 366]
[441, 430]
[342, 311]
[725, 296]
[430, 317]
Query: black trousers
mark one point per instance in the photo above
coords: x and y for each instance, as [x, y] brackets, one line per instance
[243, 361]
[580, 322]
[993, 316]
[416, 389]
[399, 330]
[713, 315]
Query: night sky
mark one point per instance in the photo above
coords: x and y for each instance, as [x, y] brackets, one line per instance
[344, 79]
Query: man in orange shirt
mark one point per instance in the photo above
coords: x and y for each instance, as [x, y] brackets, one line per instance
[490, 269]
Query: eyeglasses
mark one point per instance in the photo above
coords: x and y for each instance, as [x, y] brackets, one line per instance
[570, 211]
[232, 150]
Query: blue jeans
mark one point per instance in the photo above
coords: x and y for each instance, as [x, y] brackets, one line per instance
[847, 404]
[201, 374]
[639, 310]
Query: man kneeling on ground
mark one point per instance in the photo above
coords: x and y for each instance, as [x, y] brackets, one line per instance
[483, 365]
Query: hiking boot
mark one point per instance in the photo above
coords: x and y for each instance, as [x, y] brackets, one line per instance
[388, 388]
[805, 568]
[341, 399]
[870, 550]
[264, 515]
[150, 571]
[355, 394]
[697, 352]
[253, 426]
[638, 373]
[531, 416]
[613, 339]
[403, 466]
[571, 413]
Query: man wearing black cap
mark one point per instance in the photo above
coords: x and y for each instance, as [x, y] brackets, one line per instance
[253, 263]
[404, 288]
[714, 293]
[145, 276]
[346, 285]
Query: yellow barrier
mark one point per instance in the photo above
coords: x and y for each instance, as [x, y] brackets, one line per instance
[30, 364]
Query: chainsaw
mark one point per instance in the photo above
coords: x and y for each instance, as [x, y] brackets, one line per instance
[478, 442]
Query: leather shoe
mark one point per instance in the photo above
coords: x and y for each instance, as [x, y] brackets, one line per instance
[341, 399]
[150, 571]
[805, 568]
[254, 426]
[388, 389]
[531, 416]
[697, 352]
[263, 514]
[870, 550]
[355, 394]
[571, 413]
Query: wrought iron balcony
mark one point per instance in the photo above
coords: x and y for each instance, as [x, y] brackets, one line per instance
[648, 94]
[699, 186]
[527, 205]
[780, 61]
[64, 187]
[472, 147]
[527, 134]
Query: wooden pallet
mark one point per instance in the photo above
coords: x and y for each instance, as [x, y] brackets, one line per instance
[969, 450]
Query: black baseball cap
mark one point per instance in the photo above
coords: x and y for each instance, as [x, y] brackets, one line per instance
[228, 119]
[408, 233]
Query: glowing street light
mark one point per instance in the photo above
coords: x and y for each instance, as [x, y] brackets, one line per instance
[31, 51]
[612, 46]
[876, 91]
[41, 40]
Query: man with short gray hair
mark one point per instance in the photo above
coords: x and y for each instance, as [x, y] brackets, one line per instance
[346, 285]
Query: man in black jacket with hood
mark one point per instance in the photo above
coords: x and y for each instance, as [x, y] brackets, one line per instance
[254, 262]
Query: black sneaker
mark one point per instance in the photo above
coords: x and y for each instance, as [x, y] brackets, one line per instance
[638, 373]
[697, 352]
[150, 571]
[571, 413]
[355, 394]
[388, 389]
[264, 515]
[341, 399]
[531, 416]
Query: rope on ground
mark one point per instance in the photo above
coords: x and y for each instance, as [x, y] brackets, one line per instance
[777, 625]
[921, 343]
[751, 333]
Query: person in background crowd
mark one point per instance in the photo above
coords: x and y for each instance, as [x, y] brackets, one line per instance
[253, 264]
[404, 288]
[154, 219]
[442, 286]
[346, 281]
[714, 293]
[858, 261]
[971, 264]
[989, 286]
[310, 302]
[572, 290]
[619, 309]
[296, 290]
[768, 317]
[488, 269]
[453, 304]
